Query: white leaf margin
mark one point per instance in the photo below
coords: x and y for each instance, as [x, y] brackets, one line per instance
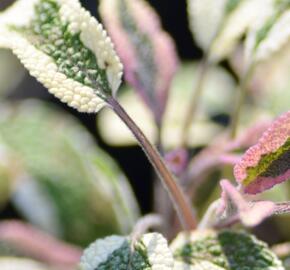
[237, 23]
[41, 66]
[205, 19]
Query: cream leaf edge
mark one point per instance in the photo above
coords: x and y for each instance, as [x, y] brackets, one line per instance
[41, 66]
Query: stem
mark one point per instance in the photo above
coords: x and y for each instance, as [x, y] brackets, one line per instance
[194, 100]
[182, 206]
[242, 89]
[145, 224]
[209, 217]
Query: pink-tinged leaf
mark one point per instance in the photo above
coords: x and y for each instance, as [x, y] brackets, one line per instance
[39, 245]
[229, 159]
[249, 136]
[177, 160]
[267, 163]
[234, 206]
[148, 53]
[220, 152]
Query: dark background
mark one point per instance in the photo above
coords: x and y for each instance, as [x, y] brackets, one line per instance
[174, 19]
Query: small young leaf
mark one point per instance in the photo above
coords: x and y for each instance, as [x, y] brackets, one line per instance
[148, 53]
[266, 163]
[119, 253]
[225, 250]
[233, 205]
[65, 48]
[177, 160]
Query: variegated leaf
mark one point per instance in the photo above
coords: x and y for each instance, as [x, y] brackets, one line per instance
[266, 163]
[72, 188]
[225, 250]
[239, 17]
[150, 252]
[148, 53]
[269, 34]
[65, 48]
[218, 25]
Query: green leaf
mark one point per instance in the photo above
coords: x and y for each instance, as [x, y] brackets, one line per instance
[226, 250]
[119, 253]
[70, 181]
[65, 48]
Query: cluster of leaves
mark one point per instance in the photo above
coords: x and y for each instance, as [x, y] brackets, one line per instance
[80, 192]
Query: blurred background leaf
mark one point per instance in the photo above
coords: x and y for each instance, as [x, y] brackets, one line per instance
[218, 84]
[71, 188]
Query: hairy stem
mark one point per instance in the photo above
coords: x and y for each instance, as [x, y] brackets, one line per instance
[178, 198]
[145, 224]
[194, 100]
[242, 92]
[209, 217]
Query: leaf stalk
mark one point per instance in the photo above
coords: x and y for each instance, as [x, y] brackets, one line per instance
[181, 204]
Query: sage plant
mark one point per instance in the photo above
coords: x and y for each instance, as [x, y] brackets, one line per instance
[67, 50]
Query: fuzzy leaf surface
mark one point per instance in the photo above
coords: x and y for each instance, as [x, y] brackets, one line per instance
[225, 250]
[64, 48]
[266, 163]
[150, 252]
